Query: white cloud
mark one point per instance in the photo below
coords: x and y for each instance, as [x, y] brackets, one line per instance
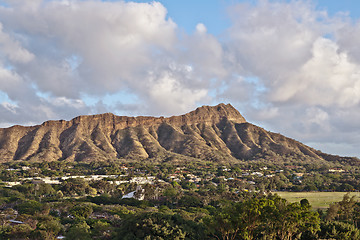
[329, 77]
[169, 95]
[206, 54]
[305, 77]
[115, 41]
[10, 107]
[12, 49]
[200, 28]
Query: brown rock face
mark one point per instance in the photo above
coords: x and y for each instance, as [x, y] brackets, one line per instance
[215, 133]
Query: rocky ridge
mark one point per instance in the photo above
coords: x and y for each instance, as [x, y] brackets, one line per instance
[213, 133]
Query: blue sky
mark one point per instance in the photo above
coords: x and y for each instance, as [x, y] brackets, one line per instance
[351, 7]
[213, 13]
[289, 66]
[187, 14]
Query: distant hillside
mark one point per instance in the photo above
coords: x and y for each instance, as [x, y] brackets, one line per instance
[219, 133]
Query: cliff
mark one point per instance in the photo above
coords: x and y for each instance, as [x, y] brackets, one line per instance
[213, 133]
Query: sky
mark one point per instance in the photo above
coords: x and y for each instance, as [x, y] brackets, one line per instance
[291, 67]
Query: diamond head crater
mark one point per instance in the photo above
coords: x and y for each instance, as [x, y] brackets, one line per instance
[217, 134]
[207, 174]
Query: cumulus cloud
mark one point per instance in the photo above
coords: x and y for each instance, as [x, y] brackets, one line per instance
[12, 49]
[112, 42]
[307, 68]
[167, 89]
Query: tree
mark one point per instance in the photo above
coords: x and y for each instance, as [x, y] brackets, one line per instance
[21, 231]
[339, 230]
[103, 186]
[75, 186]
[29, 207]
[190, 201]
[82, 211]
[345, 210]
[47, 228]
[100, 229]
[347, 207]
[172, 194]
[271, 217]
[151, 226]
[150, 192]
[45, 189]
[289, 220]
[79, 231]
[224, 223]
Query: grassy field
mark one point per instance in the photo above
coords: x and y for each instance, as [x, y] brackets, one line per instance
[317, 199]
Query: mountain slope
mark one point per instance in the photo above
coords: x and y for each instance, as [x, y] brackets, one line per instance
[218, 133]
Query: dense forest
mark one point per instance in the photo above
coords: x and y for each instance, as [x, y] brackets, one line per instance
[133, 200]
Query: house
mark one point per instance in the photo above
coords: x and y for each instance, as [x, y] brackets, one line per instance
[298, 176]
[37, 181]
[120, 182]
[137, 194]
[337, 170]
[11, 169]
[99, 215]
[48, 180]
[259, 174]
[15, 222]
[11, 184]
[143, 180]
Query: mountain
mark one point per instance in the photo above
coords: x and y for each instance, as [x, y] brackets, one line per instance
[213, 133]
